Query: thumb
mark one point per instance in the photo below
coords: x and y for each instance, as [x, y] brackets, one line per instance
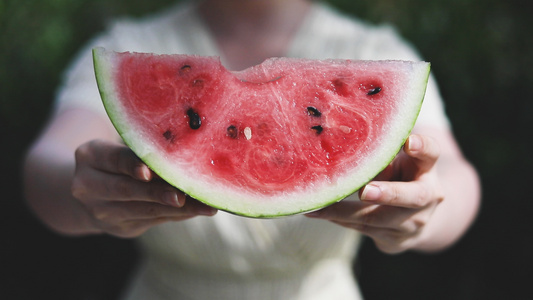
[423, 149]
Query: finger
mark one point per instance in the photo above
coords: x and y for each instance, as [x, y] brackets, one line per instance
[120, 212]
[375, 232]
[195, 207]
[146, 211]
[386, 225]
[114, 158]
[94, 184]
[414, 194]
[135, 228]
[387, 240]
[423, 149]
[362, 216]
[124, 188]
[344, 211]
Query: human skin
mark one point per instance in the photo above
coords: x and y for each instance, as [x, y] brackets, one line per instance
[79, 179]
[425, 200]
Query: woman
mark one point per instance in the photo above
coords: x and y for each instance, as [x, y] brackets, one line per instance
[81, 180]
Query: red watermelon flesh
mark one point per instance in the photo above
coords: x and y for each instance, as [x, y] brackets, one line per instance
[284, 137]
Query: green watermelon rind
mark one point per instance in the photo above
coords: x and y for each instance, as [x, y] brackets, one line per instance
[239, 203]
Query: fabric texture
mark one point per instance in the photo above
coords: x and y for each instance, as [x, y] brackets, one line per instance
[226, 256]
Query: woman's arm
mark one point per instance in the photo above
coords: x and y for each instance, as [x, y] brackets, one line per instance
[425, 200]
[80, 180]
[461, 189]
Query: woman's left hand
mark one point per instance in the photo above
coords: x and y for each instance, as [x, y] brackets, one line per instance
[395, 207]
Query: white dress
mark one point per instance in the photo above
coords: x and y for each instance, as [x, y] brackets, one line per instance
[226, 256]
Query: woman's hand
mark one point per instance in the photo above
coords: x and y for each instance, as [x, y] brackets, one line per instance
[395, 208]
[122, 196]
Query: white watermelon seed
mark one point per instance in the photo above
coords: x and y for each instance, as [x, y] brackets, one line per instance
[345, 129]
[248, 133]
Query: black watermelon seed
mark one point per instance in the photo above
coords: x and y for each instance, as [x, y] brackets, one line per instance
[194, 119]
[232, 131]
[185, 68]
[340, 88]
[318, 129]
[374, 91]
[199, 83]
[312, 111]
[168, 135]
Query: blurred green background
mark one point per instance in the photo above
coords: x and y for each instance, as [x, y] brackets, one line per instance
[481, 53]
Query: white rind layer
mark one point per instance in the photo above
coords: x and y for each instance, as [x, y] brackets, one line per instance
[244, 203]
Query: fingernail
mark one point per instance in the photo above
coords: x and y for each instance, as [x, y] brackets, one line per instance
[207, 211]
[181, 199]
[414, 143]
[171, 198]
[313, 214]
[144, 173]
[371, 192]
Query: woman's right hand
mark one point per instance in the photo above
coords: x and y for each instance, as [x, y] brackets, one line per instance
[122, 196]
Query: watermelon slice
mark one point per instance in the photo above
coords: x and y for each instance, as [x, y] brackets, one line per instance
[283, 137]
